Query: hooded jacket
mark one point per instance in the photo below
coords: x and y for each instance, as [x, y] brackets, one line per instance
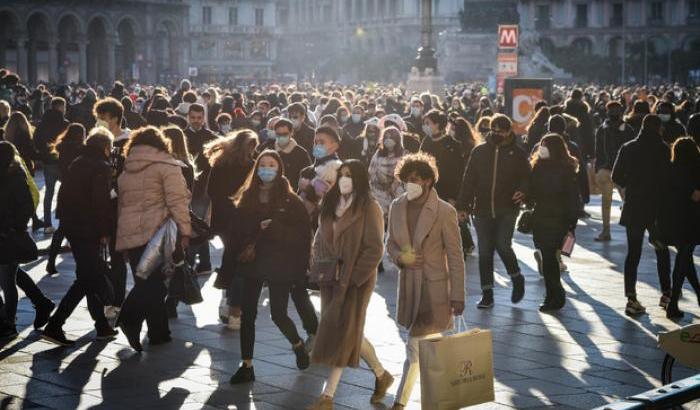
[608, 140]
[151, 190]
[52, 124]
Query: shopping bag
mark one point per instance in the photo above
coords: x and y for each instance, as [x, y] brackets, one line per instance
[592, 185]
[567, 246]
[456, 370]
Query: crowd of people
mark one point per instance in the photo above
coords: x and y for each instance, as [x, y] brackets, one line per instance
[314, 186]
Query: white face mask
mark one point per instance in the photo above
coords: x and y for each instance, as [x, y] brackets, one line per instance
[225, 128]
[543, 152]
[389, 143]
[665, 117]
[345, 185]
[413, 191]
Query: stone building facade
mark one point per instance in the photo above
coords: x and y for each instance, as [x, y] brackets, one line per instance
[94, 41]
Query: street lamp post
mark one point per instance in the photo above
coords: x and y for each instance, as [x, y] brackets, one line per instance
[426, 53]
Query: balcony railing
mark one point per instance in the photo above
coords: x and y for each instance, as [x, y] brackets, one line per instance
[232, 29]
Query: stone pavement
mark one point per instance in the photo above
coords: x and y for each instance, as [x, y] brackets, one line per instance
[586, 355]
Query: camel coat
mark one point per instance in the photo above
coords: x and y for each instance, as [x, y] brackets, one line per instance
[151, 190]
[425, 293]
[356, 243]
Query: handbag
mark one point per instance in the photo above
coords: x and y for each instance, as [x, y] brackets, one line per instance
[456, 370]
[524, 224]
[184, 285]
[18, 246]
[567, 246]
[104, 288]
[201, 232]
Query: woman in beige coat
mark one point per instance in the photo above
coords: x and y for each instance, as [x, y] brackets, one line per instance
[151, 190]
[425, 243]
[346, 252]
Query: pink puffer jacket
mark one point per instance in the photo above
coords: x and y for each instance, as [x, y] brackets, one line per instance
[151, 190]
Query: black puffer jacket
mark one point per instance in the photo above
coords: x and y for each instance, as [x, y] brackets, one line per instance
[52, 124]
[581, 111]
[681, 215]
[196, 140]
[449, 156]
[608, 140]
[84, 204]
[16, 204]
[494, 173]
[642, 168]
[555, 196]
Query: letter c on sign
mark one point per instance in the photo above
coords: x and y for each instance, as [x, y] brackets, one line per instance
[522, 108]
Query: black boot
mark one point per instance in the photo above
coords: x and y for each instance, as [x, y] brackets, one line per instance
[244, 374]
[302, 356]
[43, 312]
[518, 288]
[133, 335]
[486, 301]
[673, 313]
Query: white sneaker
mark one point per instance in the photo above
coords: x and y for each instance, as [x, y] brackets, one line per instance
[49, 230]
[234, 322]
[112, 312]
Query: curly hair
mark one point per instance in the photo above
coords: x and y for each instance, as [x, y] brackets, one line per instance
[424, 165]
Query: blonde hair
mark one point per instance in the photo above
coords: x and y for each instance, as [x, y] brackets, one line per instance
[231, 148]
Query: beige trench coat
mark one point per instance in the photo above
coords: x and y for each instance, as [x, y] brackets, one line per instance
[356, 243]
[425, 293]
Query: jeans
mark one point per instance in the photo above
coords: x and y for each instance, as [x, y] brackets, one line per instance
[51, 176]
[605, 183]
[86, 253]
[635, 238]
[146, 301]
[552, 276]
[495, 235]
[684, 268]
[8, 284]
[279, 300]
[200, 207]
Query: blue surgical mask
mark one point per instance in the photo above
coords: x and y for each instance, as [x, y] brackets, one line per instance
[320, 151]
[283, 141]
[271, 134]
[267, 174]
[427, 130]
[356, 118]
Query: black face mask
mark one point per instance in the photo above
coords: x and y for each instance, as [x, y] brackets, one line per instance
[615, 117]
[496, 138]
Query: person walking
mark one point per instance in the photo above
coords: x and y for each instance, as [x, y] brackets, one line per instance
[282, 140]
[272, 241]
[382, 180]
[16, 209]
[554, 195]
[152, 189]
[641, 169]
[53, 123]
[609, 137]
[86, 220]
[347, 248]
[424, 242]
[67, 147]
[448, 154]
[494, 185]
[231, 159]
[683, 210]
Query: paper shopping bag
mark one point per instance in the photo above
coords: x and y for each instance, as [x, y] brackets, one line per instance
[456, 370]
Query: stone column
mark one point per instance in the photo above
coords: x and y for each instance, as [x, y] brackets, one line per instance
[22, 65]
[53, 59]
[110, 46]
[82, 59]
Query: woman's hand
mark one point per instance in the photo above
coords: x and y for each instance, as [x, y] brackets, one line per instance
[265, 224]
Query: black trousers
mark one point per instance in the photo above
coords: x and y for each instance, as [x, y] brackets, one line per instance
[87, 279]
[279, 300]
[635, 238]
[26, 283]
[118, 273]
[56, 242]
[552, 276]
[684, 268]
[146, 301]
[304, 307]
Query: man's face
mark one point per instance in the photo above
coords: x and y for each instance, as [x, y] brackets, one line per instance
[263, 108]
[108, 119]
[196, 120]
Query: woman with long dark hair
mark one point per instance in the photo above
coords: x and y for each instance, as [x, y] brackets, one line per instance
[684, 212]
[555, 197]
[69, 145]
[347, 248]
[272, 241]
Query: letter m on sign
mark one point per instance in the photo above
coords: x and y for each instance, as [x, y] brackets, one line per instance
[507, 36]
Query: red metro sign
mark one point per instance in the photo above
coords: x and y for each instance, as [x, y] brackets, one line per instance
[507, 36]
